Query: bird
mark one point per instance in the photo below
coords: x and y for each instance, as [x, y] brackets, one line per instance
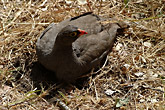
[76, 45]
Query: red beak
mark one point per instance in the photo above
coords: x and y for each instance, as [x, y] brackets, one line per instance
[82, 32]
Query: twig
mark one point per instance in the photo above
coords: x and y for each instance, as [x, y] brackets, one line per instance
[96, 91]
[100, 70]
[60, 103]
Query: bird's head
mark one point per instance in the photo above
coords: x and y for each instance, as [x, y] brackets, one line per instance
[69, 34]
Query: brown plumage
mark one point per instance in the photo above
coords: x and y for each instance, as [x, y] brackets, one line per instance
[70, 57]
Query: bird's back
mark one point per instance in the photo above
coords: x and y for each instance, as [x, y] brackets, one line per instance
[89, 49]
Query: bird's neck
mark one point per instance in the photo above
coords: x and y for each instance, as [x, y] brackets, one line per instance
[64, 50]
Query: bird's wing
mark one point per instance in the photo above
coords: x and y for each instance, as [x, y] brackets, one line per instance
[46, 40]
[94, 47]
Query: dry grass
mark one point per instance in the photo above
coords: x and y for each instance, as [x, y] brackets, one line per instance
[135, 68]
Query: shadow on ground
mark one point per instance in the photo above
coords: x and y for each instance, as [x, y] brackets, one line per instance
[41, 75]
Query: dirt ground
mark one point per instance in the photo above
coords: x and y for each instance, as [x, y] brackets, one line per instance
[133, 77]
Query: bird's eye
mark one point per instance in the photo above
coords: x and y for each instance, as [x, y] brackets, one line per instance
[73, 34]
